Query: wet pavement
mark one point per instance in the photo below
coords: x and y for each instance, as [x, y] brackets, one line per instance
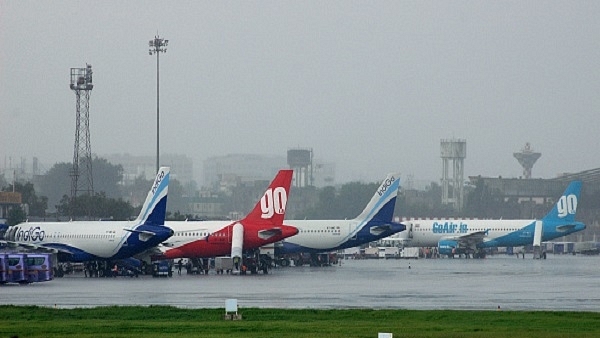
[558, 283]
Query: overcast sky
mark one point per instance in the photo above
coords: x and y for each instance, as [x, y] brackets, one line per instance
[370, 85]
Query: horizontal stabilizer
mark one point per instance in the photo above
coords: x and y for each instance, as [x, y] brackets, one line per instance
[565, 227]
[377, 230]
[144, 235]
[266, 234]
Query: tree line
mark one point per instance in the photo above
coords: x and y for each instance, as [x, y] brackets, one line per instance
[112, 200]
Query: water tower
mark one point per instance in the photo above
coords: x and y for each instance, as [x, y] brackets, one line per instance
[301, 160]
[527, 159]
[453, 153]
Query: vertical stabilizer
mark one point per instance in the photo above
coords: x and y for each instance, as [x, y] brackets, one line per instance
[565, 208]
[382, 204]
[154, 209]
[271, 207]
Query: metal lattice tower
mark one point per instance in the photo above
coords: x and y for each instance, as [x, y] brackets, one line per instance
[81, 174]
[454, 151]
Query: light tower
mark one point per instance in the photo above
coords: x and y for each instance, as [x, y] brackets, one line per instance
[157, 46]
[454, 151]
[81, 84]
[527, 159]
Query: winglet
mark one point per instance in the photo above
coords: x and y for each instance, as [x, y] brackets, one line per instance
[383, 202]
[271, 207]
[154, 209]
[565, 208]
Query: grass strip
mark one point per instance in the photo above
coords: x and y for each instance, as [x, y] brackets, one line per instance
[163, 321]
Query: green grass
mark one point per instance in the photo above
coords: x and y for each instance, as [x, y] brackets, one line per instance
[163, 321]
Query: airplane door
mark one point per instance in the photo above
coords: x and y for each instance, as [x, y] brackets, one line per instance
[410, 231]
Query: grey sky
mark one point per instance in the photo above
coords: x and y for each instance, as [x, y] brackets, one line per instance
[370, 85]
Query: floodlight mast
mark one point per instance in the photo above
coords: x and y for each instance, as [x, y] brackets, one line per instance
[157, 46]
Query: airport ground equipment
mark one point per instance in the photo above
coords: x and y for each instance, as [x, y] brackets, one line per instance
[25, 268]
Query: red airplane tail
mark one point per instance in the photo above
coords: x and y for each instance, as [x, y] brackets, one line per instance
[270, 209]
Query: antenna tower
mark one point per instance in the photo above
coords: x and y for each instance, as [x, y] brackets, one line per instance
[81, 174]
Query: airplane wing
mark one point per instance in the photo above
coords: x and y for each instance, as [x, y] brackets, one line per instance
[34, 246]
[469, 240]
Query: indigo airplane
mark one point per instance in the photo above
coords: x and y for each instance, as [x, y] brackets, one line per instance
[262, 226]
[471, 236]
[373, 223]
[80, 241]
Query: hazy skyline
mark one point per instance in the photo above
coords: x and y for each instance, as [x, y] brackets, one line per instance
[370, 86]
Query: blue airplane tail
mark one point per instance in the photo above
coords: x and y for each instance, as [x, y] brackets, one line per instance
[565, 208]
[381, 206]
[154, 209]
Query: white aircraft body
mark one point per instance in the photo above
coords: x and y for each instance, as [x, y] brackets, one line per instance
[375, 222]
[80, 241]
[458, 236]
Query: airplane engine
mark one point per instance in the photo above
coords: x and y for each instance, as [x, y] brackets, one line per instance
[449, 247]
[237, 241]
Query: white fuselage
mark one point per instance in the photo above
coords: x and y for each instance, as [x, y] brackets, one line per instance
[98, 238]
[322, 234]
[189, 231]
[427, 233]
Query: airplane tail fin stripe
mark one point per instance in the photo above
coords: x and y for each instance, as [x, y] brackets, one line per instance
[270, 209]
[565, 208]
[382, 204]
[154, 209]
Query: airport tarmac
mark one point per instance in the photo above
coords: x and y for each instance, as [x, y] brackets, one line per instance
[561, 282]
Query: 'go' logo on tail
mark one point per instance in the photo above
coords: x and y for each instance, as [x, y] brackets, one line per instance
[566, 205]
[273, 202]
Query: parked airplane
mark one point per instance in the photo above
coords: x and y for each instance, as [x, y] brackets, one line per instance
[375, 222]
[263, 225]
[471, 236]
[80, 241]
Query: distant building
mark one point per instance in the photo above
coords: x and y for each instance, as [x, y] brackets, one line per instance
[205, 206]
[8, 200]
[246, 167]
[182, 167]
